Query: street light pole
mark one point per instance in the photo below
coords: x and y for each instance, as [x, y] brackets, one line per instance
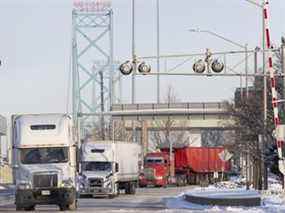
[134, 67]
[133, 54]
[158, 50]
[246, 69]
[261, 6]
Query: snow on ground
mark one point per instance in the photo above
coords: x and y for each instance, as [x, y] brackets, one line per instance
[273, 200]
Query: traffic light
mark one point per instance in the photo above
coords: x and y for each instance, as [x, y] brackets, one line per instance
[217, 66]
[144, 68]
[126, 68]
[199, 66]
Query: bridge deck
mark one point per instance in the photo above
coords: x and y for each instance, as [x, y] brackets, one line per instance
[202, 111]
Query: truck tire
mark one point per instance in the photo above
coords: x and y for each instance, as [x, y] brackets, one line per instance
[19, 207]
[127, 188]
[30, 208]
[132, 188]
[70, 207]
[116, 193]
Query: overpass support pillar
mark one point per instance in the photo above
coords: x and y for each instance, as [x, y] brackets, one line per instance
[144, 136]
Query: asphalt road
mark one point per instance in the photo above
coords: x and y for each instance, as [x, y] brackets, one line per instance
[145, 200]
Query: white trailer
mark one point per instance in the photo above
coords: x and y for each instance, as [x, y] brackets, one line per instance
[107, 167]
[44, 161]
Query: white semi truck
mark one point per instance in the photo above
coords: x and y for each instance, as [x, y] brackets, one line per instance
[108, 166]
[44, 161]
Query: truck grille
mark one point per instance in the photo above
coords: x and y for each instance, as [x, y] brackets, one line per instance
[149, 173]
[45, 181]
[95, 182]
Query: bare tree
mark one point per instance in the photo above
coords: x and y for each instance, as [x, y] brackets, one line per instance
[166, 133]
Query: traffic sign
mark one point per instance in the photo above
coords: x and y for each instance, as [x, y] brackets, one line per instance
[225, 155]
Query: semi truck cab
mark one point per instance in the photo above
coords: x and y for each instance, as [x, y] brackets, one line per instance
[98, 170]
[156, 170]
[108, 166]
[44, 161]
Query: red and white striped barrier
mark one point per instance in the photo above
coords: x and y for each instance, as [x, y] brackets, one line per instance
[279, 141]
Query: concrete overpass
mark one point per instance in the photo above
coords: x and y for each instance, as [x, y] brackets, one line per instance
[192, 117]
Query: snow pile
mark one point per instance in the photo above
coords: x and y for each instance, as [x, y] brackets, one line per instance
[273, 200]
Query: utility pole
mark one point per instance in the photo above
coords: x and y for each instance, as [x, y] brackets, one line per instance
[133, 54]
[158, 51]
[283, 71]
[283, 63]
[102, 105]
[264, 169]
[134, 61]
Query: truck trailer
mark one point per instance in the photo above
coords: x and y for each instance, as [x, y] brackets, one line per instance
[191, 166]
[44, 161]
[109, 166]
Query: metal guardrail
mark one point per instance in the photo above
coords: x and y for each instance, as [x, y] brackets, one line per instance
[171, 109]
[185, 106]
[122, 110]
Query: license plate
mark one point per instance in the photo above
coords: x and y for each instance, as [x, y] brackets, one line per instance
[45, 192]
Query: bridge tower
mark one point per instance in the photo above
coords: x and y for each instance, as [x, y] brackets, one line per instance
[93, 68]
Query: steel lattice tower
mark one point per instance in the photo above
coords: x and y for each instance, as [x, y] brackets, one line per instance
[93, 66]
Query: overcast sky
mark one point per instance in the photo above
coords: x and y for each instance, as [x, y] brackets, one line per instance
[35, 39]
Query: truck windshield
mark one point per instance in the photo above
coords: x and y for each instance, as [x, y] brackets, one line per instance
[44, 155]
[97, 166]
[154, 160]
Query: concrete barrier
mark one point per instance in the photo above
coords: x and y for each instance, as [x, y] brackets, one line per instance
[225, 198]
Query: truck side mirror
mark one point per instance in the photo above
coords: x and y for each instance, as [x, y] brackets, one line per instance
[116, 167]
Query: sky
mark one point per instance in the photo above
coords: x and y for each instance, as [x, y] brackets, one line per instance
[35, 47]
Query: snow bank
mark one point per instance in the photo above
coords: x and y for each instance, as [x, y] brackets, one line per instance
[273, 200]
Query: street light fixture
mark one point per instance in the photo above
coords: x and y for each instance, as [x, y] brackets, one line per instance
[198, 30]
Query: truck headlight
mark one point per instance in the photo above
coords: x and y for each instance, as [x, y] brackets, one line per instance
[81, 186]
[159, 177]
[67, 183]
[24, 185]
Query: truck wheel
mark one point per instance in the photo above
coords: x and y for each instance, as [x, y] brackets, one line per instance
[30, 208]
[127, 188]
[73, 205]
[19, 207]
[132, 188]
[115, 193]
[70, 207]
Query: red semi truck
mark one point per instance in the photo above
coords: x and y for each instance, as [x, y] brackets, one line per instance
[191, 165]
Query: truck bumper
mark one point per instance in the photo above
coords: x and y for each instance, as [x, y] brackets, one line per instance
[29, 197]
[154, 182]
[96, 191]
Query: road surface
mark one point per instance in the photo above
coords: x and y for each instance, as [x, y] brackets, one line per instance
[145, 200]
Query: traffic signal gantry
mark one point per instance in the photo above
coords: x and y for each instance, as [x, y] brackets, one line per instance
[200, 66]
